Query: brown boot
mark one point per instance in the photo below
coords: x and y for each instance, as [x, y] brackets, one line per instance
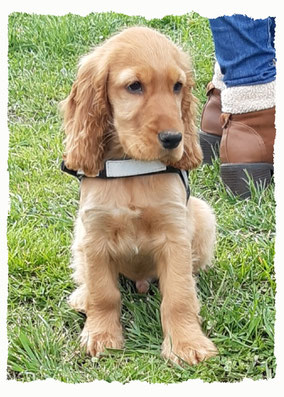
[247, 144]
[210, 127]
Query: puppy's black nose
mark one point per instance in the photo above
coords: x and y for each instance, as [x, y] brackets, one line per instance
[169, 139]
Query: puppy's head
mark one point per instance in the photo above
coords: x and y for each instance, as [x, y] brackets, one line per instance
[136, 87]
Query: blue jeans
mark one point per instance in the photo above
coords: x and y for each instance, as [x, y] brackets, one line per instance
[244, 49]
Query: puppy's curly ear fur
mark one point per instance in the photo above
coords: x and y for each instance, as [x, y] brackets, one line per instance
[87, 115]
[192, 155]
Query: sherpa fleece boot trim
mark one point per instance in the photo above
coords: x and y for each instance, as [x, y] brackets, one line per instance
[250, 98]
[217, 79]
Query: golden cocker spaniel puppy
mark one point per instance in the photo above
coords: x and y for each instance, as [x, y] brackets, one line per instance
[132, 99]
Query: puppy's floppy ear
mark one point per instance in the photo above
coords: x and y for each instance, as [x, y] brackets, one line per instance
[87, 114]
[192, 155]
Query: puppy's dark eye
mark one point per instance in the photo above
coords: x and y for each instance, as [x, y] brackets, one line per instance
[177, 87]
[135, 88]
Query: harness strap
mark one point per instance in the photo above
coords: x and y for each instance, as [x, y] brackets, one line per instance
[129, 168]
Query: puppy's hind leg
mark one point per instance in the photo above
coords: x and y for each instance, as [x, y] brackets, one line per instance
[78, 299]
[204, 234]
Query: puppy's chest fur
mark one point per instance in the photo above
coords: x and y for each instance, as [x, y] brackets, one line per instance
[132, 220]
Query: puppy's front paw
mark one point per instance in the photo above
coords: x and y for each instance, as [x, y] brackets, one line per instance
[97, 342]
[191, 351]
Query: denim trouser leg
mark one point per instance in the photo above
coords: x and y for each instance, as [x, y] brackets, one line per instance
[244, 49]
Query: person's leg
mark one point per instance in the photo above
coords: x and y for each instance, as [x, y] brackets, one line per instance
[244, 49]
[246, 55]
[210, 132]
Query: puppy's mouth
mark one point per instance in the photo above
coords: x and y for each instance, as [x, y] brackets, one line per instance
[164, 155]
[170, 157]
[167, 147]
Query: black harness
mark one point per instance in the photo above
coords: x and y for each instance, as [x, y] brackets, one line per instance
[103, 174]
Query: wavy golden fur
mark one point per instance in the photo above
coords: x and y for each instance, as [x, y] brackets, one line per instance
[128, 91]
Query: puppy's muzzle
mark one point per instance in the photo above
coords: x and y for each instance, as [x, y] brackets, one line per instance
[169, 139]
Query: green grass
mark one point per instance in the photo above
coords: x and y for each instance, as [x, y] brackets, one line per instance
[237, 294]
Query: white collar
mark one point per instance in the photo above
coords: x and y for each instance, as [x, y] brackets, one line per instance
[130, 167]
